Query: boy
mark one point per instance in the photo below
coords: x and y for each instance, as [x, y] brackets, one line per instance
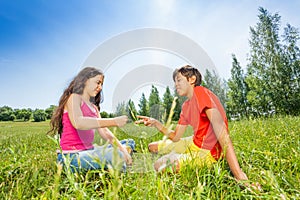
[204, 112]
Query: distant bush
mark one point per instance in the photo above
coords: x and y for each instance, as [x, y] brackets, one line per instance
[39, 115]
[7, 116]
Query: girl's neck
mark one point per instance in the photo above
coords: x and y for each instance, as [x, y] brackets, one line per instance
[87, 101]
[86, 98]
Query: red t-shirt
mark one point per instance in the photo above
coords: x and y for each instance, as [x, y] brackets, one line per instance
[193, 113]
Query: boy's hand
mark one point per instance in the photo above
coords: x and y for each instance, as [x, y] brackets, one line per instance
[148, 121]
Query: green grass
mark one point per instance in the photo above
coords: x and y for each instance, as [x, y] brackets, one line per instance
[268, 151]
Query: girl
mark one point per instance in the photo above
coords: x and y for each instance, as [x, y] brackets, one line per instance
[76, 118]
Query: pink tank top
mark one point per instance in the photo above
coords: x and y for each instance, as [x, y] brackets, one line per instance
[73, 139]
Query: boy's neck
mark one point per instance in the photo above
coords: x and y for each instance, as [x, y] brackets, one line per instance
[190, 92]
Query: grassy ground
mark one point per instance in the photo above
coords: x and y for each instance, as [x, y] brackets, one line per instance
[268, 151]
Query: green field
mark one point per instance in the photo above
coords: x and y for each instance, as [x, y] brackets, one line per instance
[268, 151]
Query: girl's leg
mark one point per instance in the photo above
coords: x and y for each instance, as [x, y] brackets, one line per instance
[100, 157]
[108, 158]
[129, 144]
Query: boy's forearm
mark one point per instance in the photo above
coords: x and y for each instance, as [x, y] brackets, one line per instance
[233, 163]
[169, 133]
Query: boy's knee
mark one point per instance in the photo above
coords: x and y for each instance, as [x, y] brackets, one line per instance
[153, 147]
[157, 166]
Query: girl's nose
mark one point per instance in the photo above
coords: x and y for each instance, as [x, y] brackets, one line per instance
[99, 87]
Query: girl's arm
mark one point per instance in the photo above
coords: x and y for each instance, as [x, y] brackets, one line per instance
[106, 134]
[223, 137]
[85, 123]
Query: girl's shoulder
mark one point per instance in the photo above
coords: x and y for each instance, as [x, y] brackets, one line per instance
[74, 99]
[75, 96]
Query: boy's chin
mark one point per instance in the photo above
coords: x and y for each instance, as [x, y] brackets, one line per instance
[180, 94]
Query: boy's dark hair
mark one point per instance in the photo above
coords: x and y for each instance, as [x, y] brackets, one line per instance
[188, 71]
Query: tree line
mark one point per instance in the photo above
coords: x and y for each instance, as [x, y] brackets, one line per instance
[268, 85]
[9, 114]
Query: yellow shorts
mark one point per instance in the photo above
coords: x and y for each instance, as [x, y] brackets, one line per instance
[186, 152]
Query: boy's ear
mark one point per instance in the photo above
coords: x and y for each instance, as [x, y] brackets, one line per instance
[192, 80]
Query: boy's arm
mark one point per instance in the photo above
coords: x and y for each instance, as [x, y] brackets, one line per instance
[223, 137]
[173, 135]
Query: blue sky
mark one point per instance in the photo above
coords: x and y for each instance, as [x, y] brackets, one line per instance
[43, 44]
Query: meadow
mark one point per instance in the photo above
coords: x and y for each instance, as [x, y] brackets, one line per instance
[268, 150]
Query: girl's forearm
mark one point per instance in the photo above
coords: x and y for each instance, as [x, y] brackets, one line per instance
[86, 123]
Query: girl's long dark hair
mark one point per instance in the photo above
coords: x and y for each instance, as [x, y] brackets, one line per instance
[76, 86]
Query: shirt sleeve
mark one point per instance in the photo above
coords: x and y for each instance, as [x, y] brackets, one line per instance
[204, 99]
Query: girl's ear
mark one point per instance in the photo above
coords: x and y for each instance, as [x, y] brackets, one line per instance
[192, 80]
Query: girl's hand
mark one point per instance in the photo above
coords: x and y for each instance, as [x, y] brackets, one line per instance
[121, 121]
[127, 157]
[148, 121]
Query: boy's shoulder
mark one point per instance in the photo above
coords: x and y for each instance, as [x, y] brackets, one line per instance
[200, 88]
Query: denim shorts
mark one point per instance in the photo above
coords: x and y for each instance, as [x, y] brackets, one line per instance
[99, 157]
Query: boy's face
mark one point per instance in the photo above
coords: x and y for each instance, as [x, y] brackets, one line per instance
[183, 86]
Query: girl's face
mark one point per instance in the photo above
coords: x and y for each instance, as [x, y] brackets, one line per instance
[94, 85]
[183, 86]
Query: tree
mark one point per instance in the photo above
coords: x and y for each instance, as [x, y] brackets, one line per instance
[216, 85]
[179, 102]
[236, 104]
[27, 113]
[23, 114]
[261, 77]
[289, 92]
[7, 114]
[155, 109]
[143, 105]
[167, 102]
[39, 115]
[273, 72]
[121, 109]
[49, 111]
[104, 114]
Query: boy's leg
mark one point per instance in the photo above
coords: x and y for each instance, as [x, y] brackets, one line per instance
[153, 147]
[171, 159]
[168, 146]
